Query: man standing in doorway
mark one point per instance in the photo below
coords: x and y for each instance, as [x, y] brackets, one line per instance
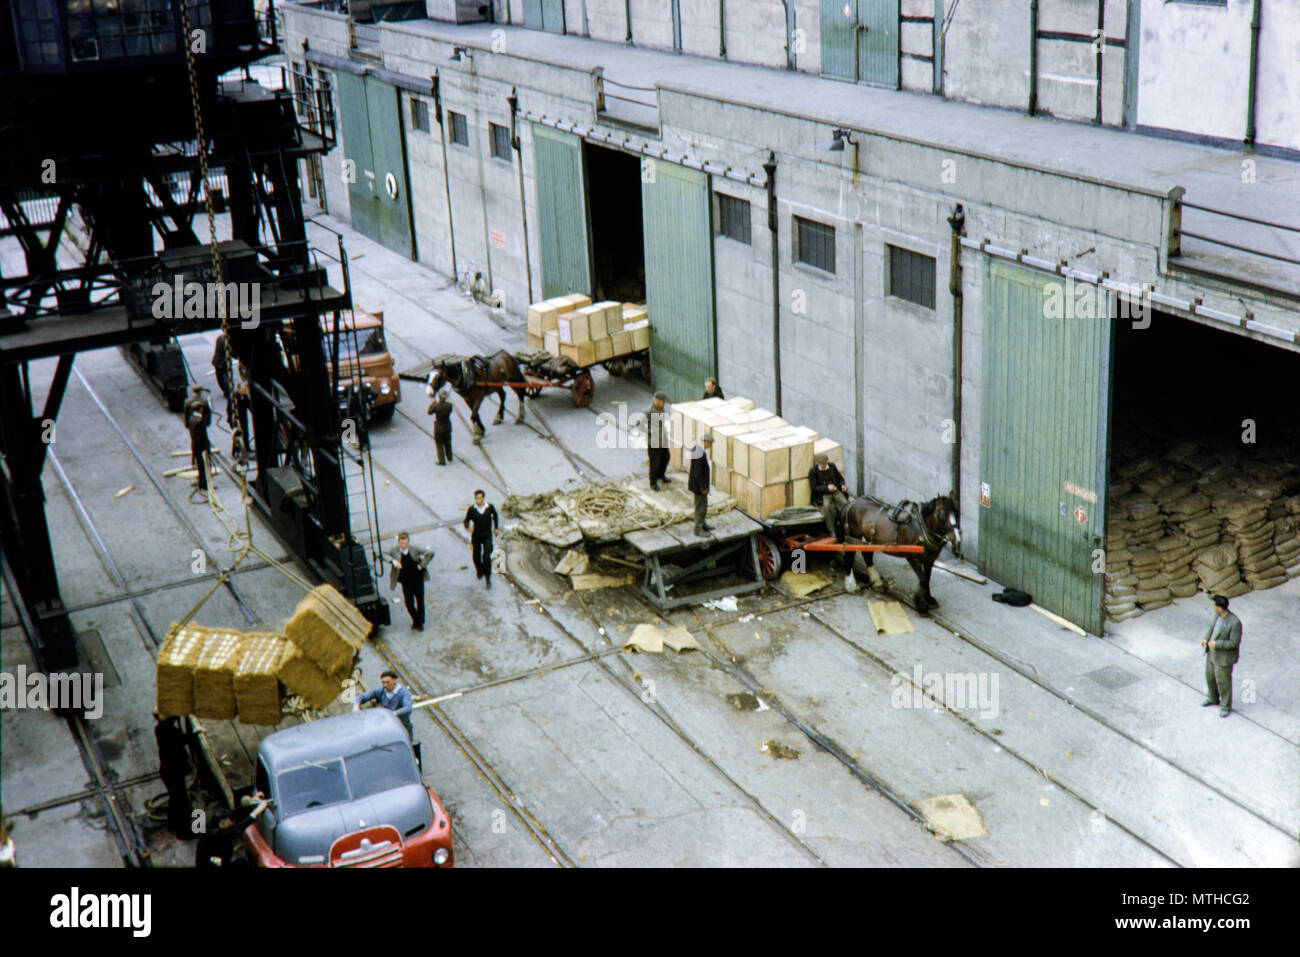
[441, 411]
[657, 440]
[410, 566]
[698, 481]
[828, 492]
[482, 517]
[1222, 644]
[712, 390]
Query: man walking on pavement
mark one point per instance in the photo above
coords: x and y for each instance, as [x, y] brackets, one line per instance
[698, 482]
[1222, 644]
[410, 566]
[828, 492]
[657, 440]
[483, 518]
[441, 411]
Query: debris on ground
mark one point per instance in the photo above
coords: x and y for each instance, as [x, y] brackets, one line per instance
[889, 618]
[679, 639]
[722, 604]
[783, 752]
[593, 580]
[743, 701]
[802, 584]
[653, 639]
[952, 817]
[573, 562]
[122, 492]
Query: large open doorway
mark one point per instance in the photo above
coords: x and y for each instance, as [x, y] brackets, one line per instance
[1204, 489]
[617, 246]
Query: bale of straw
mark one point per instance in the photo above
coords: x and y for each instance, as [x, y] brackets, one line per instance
[328, 630]
[175, 670]
[257, 682]
[214, 675]
[304, 677]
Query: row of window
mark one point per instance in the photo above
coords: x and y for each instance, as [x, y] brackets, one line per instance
[911, 274]
[458, 129]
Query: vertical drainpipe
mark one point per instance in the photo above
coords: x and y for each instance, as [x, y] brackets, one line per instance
[1254, 73]
[1033, 57]
[769, 168]
[627, 15]
[722, 29]
[513, 100]
[957, 223]
[446, 172]
[790, 62]
[1101, 43]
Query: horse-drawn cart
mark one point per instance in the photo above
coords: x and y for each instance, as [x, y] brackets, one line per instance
[542, 370]
[801, 528]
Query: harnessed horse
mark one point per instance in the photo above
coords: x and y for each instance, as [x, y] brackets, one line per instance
[476, 378]
[931, 525]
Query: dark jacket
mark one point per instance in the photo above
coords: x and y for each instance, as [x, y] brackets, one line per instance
[1227, 646]
[698, 482]
[441, 411]
[484, 523]
[197, 404]
[717, 393]
[820, 483]
[220, 366]
[656, 434]
[422, 557]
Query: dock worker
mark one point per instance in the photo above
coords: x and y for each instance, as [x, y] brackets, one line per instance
[221, 366]
[657, 440]
[1222, 644]
[216, 847]
[828, 492]
[391, 695]
[698, 482]
[174, 768]
[712, 390]
[483, 518]
[198, 416]
[441, 411]
[410, 566]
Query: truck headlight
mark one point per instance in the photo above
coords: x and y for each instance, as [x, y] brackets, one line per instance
[440, 856]
[384, 388]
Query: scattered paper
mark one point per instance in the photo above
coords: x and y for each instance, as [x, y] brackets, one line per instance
[952, 817]
[801, 584]
[722, 604]
[889, 618]
[645, 638]
[748, 617]
[679, 639]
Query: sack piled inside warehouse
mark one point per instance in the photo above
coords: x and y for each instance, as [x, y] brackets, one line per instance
[585, 332]
[759, 458]
[1198, 519]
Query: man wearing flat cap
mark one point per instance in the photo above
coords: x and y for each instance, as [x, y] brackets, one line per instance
[698, 482]
[1222, 644]
[657, 440]
[828, 492]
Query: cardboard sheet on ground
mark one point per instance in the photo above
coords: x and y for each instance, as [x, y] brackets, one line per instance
[889, 618]
[654, 639]
[592, 580]
[952, 817]
[802, 584]
[679, 639]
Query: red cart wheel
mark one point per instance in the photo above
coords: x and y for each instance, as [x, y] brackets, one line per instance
[769, 557]
[583, 387]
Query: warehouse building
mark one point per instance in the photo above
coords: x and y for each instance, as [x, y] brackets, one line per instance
[953, 237]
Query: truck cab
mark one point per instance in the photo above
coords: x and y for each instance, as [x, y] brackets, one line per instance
[345, 792]
[364, 358]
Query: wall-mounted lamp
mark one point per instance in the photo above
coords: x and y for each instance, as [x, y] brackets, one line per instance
[836, 143]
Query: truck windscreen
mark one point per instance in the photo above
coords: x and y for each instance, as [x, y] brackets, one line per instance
[319, 784]
[381, 769]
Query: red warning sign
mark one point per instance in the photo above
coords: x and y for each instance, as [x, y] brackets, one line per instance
[1080, 515]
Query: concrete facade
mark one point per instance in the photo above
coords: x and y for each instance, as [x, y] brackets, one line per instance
[858, 365]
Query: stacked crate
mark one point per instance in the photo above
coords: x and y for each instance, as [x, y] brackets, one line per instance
[585, 332]
[759, 458]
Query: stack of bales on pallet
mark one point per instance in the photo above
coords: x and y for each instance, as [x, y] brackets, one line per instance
[220, 673]
[1192, 519]
[586, 332]
[759, 458]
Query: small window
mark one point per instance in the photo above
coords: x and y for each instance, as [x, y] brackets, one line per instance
[733, 218]
[814, 244]
[500, 137]
[419, 115]
[911, 276]
[459, 131]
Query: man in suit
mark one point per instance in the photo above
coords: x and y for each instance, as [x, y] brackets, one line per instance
[698, 482]
[483, 518]
[441, 411]
[712, 390]
[410, 566]
[1222, 644]
[657, 440]
[828, 492]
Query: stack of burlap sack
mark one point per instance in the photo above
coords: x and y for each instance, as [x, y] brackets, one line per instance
[1198, 519]
[223, 674]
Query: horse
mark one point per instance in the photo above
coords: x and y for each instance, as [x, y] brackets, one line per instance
[931, 526]
[500, 367]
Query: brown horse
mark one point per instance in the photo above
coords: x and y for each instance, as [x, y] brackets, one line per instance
[476, 383]
[931, 526]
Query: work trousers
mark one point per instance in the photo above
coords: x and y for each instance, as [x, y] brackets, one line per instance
[1218, 682]
[413, 593]
[482, 556]
[658, 464]
[198, 455]
[832, 504]
[701, 511]
[443, 445]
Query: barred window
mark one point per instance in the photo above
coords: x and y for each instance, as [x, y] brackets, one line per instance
[814, 243]
[419, 115]
[500, 137]
[911, 276]
[733, 217]
[458, 132]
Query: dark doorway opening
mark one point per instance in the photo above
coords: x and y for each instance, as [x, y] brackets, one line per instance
[617, 244]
